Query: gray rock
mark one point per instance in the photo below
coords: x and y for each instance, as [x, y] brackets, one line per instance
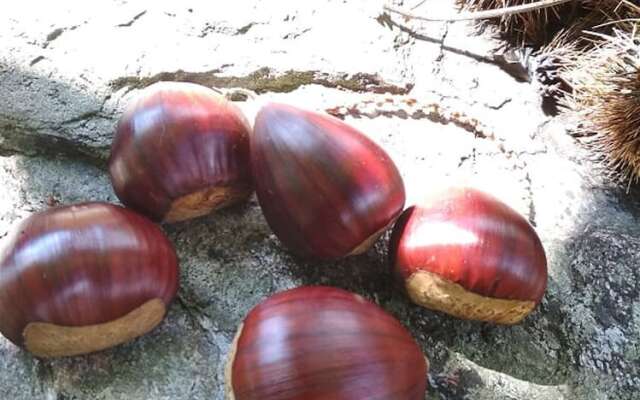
[428, 93]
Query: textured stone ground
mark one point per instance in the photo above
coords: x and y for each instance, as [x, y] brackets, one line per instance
[433, 95]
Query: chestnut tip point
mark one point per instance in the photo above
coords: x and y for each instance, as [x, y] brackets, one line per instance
[369, 242]
[326, 190]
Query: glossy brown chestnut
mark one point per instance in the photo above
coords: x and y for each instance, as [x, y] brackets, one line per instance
[466, 253]
[180, 151]
[326, 190]
[318, 343]
[83, 278]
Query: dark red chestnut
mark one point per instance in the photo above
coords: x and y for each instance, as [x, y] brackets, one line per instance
[180, 151]
[326, 190]
[318, 343]
[83, 278]
[466, 253]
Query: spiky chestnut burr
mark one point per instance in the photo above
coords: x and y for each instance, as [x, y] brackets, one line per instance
[605, 100]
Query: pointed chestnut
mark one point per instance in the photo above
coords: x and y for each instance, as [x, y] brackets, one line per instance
[317, 343]
[326, 189]
[465, 253]
[180, 151]
[83, 278]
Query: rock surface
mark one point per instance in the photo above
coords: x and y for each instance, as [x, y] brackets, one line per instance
[431, 94]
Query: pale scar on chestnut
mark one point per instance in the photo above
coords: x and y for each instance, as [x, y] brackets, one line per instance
[48, 340]
[203, 202]
[432, 291]
[228, 369]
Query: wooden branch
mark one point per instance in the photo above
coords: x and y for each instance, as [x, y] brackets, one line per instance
[487, 14]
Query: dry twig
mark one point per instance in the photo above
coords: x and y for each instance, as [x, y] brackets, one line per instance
[486, 14]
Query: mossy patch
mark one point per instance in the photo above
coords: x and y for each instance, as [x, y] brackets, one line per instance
[267, 80]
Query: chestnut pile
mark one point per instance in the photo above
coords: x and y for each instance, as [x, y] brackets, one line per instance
[82, 278]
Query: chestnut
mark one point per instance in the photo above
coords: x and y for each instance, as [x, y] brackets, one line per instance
[465, 253]
[180, 151]
[83, 278]
[326, 190]
[318, 342]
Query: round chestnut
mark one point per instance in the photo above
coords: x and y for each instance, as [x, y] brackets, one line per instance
[326, 190]
[317, 342]
[180, 151]
[83, 278]
[467, 254]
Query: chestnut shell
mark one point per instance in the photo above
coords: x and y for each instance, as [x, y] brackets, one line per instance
[326, 189]
[319, 342]
[472, 239]
[177, 140]
[82, 265]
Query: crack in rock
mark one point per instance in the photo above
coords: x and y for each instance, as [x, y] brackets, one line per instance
[36, 60]
[441, 52]
[245, 29]
[405, 108]
[226, 30]
[74, 137]
[386, 20]
[46, 141]
[193, 310]
[455, 384]
[203, 322]
[499, 106]
[55, 34]
[132, 20]
[70, 138]
[268, 80]
[46, 378]
[295, 35]
[532, 205]
[518, 64]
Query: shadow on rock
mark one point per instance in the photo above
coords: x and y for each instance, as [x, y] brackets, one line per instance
[48, 117]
